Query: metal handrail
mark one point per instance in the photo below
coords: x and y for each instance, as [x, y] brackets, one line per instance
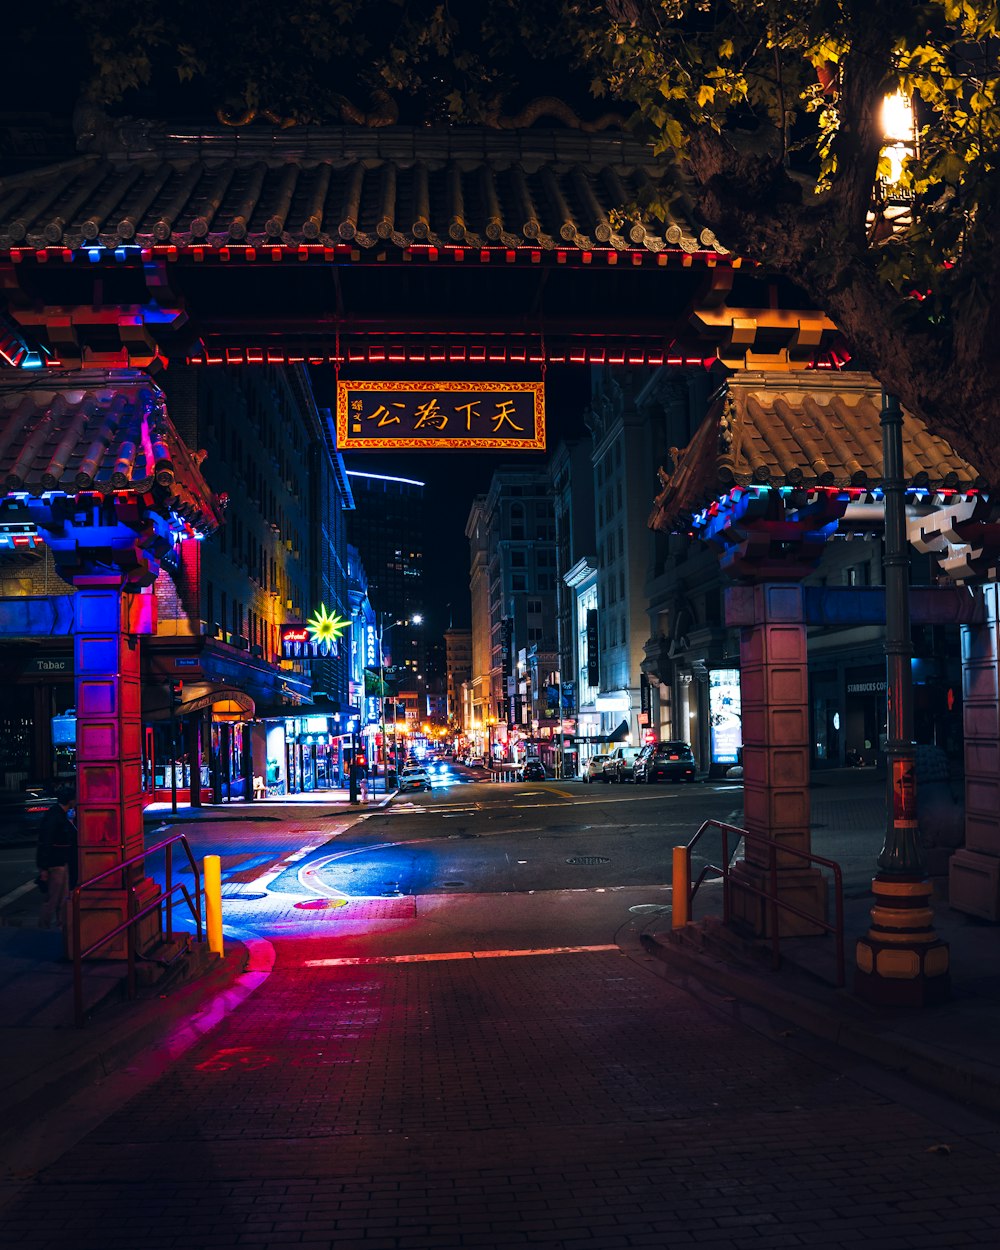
[771, 895]
[164, 900]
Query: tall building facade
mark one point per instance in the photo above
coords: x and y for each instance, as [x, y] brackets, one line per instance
[458, 665]
[571, 474]
[280, 558]
[478, 707]
[388, 527]
[518, 518]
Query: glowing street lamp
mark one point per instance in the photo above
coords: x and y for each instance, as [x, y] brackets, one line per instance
[900, 960]
[900, 130]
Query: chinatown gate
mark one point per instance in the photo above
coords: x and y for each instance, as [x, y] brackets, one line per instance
[497, 251]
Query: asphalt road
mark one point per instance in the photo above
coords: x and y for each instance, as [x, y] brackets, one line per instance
[469, 835]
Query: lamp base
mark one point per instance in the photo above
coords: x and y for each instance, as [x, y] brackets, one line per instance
[901, 961]
[902, 977]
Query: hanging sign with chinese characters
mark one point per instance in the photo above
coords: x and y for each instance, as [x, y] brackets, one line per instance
[458, 415]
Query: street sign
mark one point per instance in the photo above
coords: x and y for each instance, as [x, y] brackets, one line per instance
[460, 416]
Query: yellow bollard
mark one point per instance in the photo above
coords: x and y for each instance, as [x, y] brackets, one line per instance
[212, 881]
[681, 887]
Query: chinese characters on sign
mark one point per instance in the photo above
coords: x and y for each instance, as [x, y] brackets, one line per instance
[456, 415]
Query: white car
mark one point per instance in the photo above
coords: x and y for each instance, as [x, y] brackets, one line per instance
[414, 777]
[594, 767]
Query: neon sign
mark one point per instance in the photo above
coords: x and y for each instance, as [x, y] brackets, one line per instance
[319, 636]
[387, 416]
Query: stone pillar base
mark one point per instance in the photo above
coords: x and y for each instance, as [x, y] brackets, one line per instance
[974, 884]
[803, 888]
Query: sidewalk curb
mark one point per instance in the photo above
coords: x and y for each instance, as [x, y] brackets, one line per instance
[144, 1029]
[970, 1082]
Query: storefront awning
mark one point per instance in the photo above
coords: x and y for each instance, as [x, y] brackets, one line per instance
[226, 702]
[319, 706]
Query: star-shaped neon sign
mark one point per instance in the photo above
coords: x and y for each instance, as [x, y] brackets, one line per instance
[326, 627]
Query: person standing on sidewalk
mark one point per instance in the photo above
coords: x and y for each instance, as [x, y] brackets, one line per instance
[57, 858]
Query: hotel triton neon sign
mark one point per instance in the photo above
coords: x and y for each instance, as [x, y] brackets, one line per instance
[319, 636]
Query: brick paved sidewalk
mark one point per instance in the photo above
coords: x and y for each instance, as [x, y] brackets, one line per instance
[563, 1101]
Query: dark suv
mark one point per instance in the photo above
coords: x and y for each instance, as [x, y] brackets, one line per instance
[664, 761]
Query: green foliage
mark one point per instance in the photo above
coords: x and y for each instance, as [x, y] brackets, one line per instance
[792, 93]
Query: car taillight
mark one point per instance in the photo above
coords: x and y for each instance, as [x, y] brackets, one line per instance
[36, 809]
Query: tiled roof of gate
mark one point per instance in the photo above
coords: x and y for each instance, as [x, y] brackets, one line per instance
[806, 429]
[99, 432]
[392, 187]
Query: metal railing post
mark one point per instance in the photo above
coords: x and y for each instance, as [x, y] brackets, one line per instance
[74, 902]
[769, 895]
[128, 926]
[169, 871]
[773, 876]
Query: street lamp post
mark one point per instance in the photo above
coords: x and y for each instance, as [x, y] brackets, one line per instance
[900, 960]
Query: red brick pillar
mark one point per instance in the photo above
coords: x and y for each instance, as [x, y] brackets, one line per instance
[974, 871]
[774, 687]
[109, 756]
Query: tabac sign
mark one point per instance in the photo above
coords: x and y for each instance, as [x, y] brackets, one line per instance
[461, 416]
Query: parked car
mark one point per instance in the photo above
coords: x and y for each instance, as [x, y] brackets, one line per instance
[618, 766]
[664, 761]
[414, 777]
[476, 761]
[533, 770]
[593, 769]
[22, 811]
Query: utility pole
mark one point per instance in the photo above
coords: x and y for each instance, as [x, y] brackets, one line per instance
[176, 690]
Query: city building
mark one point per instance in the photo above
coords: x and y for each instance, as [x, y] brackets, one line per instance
[571, 475]
[388, 527]
[458, 667]
[225, 609]
[513, 547]
[478, 708]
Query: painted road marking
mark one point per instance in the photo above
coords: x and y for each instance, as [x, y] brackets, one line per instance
[443, 955]
[309, 870]
[14, 894]
[262, 882]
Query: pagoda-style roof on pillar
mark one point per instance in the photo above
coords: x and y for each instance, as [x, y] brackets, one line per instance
[98, 434]
[784, 461]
